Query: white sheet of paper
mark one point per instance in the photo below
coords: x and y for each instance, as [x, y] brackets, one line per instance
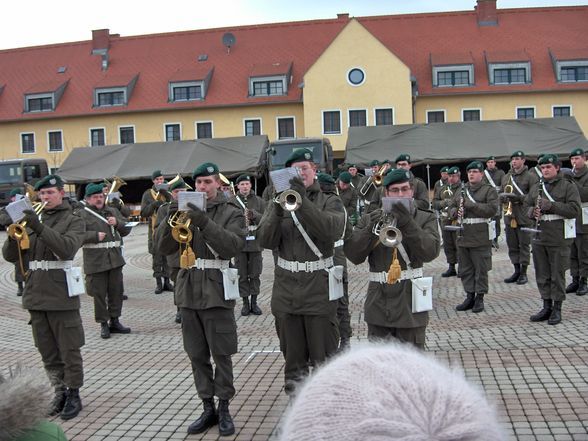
[15, 209]
[281, 178]
[197, 198]
[131, 224]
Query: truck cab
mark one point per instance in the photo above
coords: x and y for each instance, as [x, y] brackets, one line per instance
[321, 148]
[17, 172]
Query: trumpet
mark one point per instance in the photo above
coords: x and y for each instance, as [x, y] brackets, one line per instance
[179, 223]
[391, 237]
[289, 200]
[377, 179]
[18, 230]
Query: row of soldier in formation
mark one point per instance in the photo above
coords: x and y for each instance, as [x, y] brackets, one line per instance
[308, 242]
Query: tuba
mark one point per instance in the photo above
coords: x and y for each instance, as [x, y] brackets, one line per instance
[114, 187]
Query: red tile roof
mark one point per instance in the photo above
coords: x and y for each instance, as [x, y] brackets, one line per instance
[415, 38]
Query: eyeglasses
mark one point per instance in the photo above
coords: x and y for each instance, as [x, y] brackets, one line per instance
[304, 169]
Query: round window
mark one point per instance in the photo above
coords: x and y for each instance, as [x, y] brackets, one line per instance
[356, 76]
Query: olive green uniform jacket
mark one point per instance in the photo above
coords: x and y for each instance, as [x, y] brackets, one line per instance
[580, 178]
[149, 208]
[256, 205]
[173, 260]
[349, 199]
[525, 179]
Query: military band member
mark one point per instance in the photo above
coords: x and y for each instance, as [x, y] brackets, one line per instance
[103, 260]
[421, 193]
[150, 202]
[5, 221]
[208, 321]
[474, 206]
[493, 176]
[55, 237]
[306, 320]
[367, 189]
[555, 203]
[514, 188]
[579, 247]
[440, 184]
[388, 307]
[441, 204]
[249, 260]
[356, 177]
[348, 195]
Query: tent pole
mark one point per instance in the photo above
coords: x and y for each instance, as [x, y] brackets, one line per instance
[429, 184]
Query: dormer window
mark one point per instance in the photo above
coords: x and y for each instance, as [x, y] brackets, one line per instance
[112, 97]
[114, 91]
[44, 97]
[270, 80]
[509, 75]
[269, 87]
[452, 70]
[570, 65]
[189, 84]
[39, 103]
[509, 67]
[186, 91]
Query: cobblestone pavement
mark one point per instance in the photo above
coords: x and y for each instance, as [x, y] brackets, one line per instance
[140, 386]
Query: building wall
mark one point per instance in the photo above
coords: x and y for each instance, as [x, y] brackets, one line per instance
[387, 83]
[149, 127]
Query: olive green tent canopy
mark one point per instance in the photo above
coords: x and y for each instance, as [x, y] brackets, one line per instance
[137, 161]
[440, 143]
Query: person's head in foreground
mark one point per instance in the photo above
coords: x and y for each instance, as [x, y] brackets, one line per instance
[389, 392]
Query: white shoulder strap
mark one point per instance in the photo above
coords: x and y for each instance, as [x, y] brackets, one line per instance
[305, 235]
[490, 180]
[546, 193]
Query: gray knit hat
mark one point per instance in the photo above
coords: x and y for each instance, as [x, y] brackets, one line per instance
[389, 392]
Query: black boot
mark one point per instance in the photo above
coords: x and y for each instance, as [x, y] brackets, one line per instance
[254, 308]
[515, 275]
[246, 309]
[178, 316]
[19, 289]
[468, 303]
[58, 401]
[104, 330]
[450, 271]
[73, 404]
[478, 303]
[159, 286]
[343, 344]
[544, 313]
[208, 418]
[582, 287]
[225, 421]
[555, 316]
[573, 287]
[117, 327]
[523, 276]
[167, 285]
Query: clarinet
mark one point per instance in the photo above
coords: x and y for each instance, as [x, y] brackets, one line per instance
[536, 230]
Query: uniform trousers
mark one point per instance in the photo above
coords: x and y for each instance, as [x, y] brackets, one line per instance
[159, 265]
[304, 340]
[449, 245]
[250, 265]
[519, 245]
[18, 276]
[59, 335]
[106, 289]
[550, 264]
[209, 332]
[414, 336]
[474, 264]
[343, 316]
[579, 256]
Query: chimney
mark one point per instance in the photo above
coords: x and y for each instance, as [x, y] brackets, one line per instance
[100, 41]
[343, 16]
[486, 13]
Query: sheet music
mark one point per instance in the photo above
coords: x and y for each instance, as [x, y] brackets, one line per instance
[164, 186]
[197, 198]
[281, 178]
[131, 224]
[15, 209]
[388, 202]
[114, 195]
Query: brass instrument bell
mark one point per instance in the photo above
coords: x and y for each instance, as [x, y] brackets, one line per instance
[290, 200]
[18, 231]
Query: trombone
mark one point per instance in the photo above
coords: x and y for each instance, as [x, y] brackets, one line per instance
[376, 179]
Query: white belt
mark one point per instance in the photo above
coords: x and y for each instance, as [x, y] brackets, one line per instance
[339, 243]
[112, 244]
[203, 264]
[382, 276]
[551, 217]
[584, 204]
[475, 220]
[308, 267]
[46, 265]
[252, 227]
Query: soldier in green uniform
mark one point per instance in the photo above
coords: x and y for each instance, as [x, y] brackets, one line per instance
[555, 203]
[514, 188]
[208, 321]
[493, 176]
[150, 202]
[103, 260]
[366, 192]
[440, 184]
[306, 320]
[249, 260]
[421, 193]
[475, 207]
[55, 237]
[441, 204]
[5, 221]
[356, 177]
[388, 307]
[579, 247]
[348, 195]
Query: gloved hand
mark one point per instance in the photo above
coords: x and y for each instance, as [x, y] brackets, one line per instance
[375, 217]
[33, 221]
[467, 203]
[401, 214]
[297, 185]
[156, 204]
[545, 205]
[173, 207]
[198, 217]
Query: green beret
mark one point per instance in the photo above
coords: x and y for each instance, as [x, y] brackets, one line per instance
[403, 157]
[475, 165]
[50, 181]
[490, 158]
[15, 191]
[453, 170]
[386, 161]
[179, 183]
[156, 174]
[325, 178]
[206, 169]
[351, 165]
[345, 177]
[549, 158]
[299, 155]
[577, 152]
[94, 189]
[243, 178]
[374, 163]
[396, 176]
[518, 154]
[444, 169]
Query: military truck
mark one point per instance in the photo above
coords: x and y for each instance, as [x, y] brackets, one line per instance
[17, 172]
[321, 148]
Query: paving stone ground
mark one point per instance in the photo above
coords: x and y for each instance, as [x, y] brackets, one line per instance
[140, 386]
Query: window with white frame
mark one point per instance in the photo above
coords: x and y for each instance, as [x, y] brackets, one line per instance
[55, 141]
[268, 86]
[97, 137]
[110, 97]
[331, 122]
[172, 132]
[39, 103]
[470, 115]
[357, 118]
[127, 134]
[27, 143]
[561, 111]
[286, 128]
[186, 91]
[435, 116]
[525, 112]
[510, 73]
[451, 76]
[572, 71]
[252, 127]
[384, 117]
[204, 130]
